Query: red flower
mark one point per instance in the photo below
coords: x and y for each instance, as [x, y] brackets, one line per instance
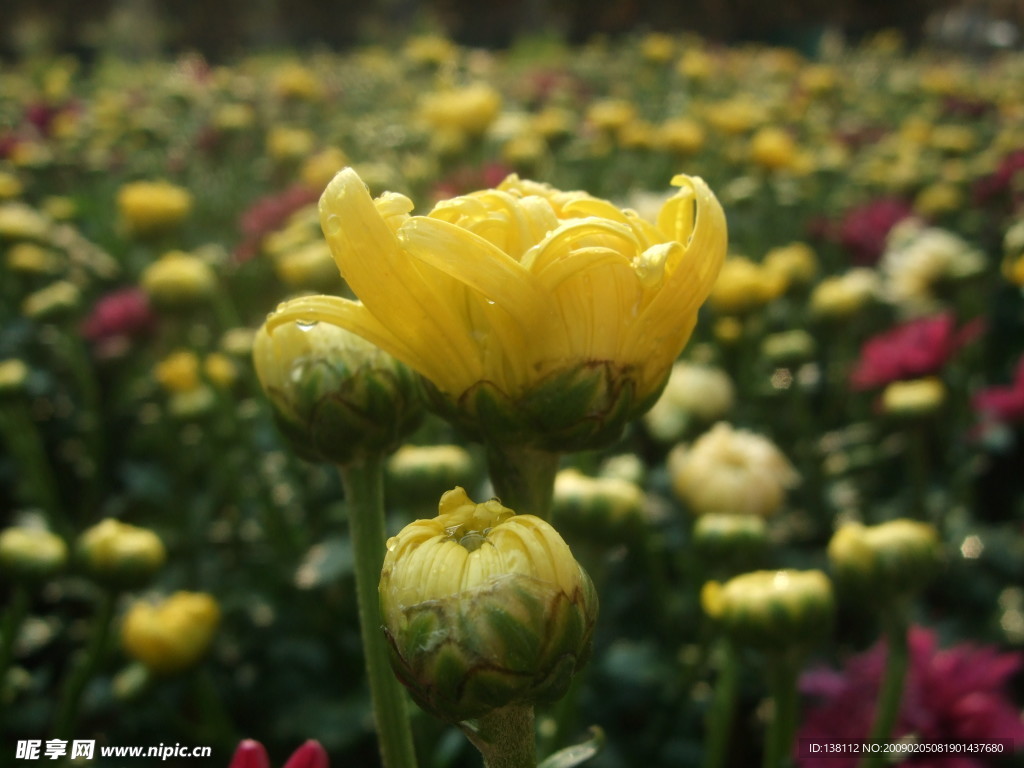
[952, 695]
[251, 754]
[1004, 182]
[909, 351]
[864, 229]
[124, 313]
[1005, 404]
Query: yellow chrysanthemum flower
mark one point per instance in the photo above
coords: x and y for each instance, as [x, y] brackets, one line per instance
[507, 292]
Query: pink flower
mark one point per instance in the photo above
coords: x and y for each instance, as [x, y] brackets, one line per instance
[1005, 182]
[124, 313]
[950, 695]
[251, 754]
[1005, 404]
[909, 351]
[864, 229]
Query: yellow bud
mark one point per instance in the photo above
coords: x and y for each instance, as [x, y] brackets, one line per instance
[773, 148]
[13, 375]
[178, 372]
[31, 554]
[744, 286]
[120, 555]
[844, 295]
[919, 397]
[418, 472]
[32, 258]
[20, 222]
[484, 609]
[171, 635]
[150, 207]
[772, 610]
[178, 279]
[887, 561]
[796, 263]
[597, 508]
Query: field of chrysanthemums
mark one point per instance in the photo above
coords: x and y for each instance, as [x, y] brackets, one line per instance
[847, 418]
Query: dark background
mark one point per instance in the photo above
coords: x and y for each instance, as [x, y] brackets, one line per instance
[228, 27]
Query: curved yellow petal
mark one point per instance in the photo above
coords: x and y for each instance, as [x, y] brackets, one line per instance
[374, 265]
[355, 317]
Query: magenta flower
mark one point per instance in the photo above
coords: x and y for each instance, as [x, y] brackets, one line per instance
[918, 348]
[251, 754]
[1003, 404]
[950, 695]
[124, 313]
[864, 229]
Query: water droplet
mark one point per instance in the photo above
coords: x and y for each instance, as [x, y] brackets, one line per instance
[332, 225]
[490, 301]
[472, 541]
[306, 325]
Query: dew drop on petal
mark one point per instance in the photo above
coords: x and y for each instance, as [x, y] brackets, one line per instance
[332, 225]
[306, 325]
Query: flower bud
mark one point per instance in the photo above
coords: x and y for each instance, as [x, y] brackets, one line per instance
[416, 472]
[151, 207]
[178, 278]
[910, 399]
[13, 376]
[788, 347]
[335, 395]
[729, 539]
[692, 392]
[732, 471]
[885, 561]
[171, 635]
[484, 609]
[31, 554]
[597, 507]
[772, 610]
[119, 555]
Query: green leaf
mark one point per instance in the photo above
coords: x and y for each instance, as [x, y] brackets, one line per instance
[578, 753]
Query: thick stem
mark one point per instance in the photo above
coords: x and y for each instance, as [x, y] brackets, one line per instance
[723, 707]
[524, 478]
[782, 673]
[506, 737]
[891, 692]
[85, 667]
[363, 481]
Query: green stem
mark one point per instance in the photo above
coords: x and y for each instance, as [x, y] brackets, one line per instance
[891, 692]
[505, 737]
[524, 478]
[782, 673]
[723, 707]
[85, 667]
[918, 458]
[39, 480]
[363, 481]
[13, 618]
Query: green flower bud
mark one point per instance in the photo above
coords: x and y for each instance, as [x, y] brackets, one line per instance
[484, 609]
[336, 396]
[31, 554]
[597, 507]
[13, 376]
[772, 610]
[418, 472]
[788, 347]
[119, 555]
[729, 539]
[892, 560]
